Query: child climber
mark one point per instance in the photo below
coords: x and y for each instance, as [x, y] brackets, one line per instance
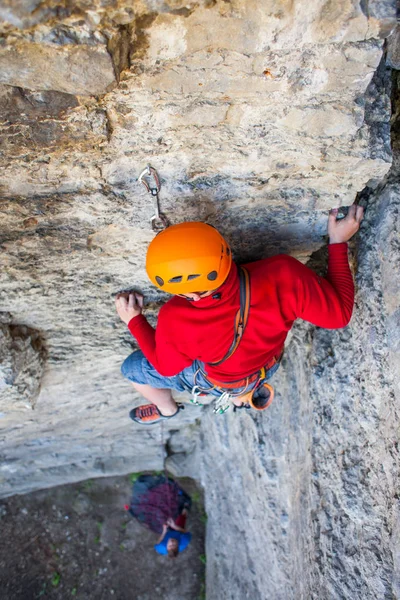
[224, 328]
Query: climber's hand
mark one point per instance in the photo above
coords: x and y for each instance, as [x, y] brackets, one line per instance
[342, 230]
[129, 305]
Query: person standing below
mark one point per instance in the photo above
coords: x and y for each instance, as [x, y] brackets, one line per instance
[189, 349]
[174, 537]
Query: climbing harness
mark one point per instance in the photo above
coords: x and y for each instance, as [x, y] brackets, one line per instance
[158, 221]
[242, 314]
[224, 401]
[259, 397]
[261, 394]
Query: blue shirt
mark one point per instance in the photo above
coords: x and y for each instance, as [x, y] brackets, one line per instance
[183, 541]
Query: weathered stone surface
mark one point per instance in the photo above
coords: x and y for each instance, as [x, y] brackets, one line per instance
[393, 49]
[355, 455]
[261, 83]
[311, 486]
[40, 119]
[15, 12]
[270, 136]
[24, 14]
[259, 117]
[22, 360]
[70, 69]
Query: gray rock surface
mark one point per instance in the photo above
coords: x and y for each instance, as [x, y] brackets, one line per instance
[258, 118]
[233, 102]
[22, 360]
[393, 48]
[305, 496]
[82, 70]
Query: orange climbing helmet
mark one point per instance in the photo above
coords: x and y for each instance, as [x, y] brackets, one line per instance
[188, 257]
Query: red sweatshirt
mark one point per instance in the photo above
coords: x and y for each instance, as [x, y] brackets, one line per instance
[282, 290]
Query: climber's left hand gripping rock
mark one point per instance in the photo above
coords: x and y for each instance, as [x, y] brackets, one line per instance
[129, 305]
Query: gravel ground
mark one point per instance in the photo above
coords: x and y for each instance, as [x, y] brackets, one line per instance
[77, 541]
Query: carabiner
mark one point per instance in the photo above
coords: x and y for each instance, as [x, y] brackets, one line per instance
[145, 178]
[196, 393]
[149, 172]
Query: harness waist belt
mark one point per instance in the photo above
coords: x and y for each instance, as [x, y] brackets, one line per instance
[247, 380]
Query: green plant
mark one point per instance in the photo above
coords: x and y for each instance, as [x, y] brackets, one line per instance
[202, 558]
[203, 518]
[202, 593]
[73, 591]
[55, 580]
[134, 476]
[99, 526]
[87, 485]
[121, 547]
[196, 498]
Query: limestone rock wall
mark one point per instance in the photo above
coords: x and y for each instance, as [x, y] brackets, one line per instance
[307, 495]
[259, 116]
[23, 356]
[233, 102]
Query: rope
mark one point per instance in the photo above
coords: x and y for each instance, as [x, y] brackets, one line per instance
[169, 503]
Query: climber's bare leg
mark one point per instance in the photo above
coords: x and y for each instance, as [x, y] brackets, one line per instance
[162, 398]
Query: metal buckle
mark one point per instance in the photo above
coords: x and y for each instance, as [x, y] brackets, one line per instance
[145, 178]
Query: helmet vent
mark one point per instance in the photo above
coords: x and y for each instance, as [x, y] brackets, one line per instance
[212, 276]
[177, 279]
[190, 277]
[228, 252]
[159, 280]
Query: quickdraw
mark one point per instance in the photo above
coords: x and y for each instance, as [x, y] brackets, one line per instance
[222, 403]
[158, 221]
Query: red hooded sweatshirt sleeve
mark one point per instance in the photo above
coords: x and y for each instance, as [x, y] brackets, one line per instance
[158, 344]
[282, 290]
[326, 302]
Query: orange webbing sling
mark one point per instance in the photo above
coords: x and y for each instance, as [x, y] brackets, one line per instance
[242, 314]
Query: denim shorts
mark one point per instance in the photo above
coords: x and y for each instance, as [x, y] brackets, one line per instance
[137, 368]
